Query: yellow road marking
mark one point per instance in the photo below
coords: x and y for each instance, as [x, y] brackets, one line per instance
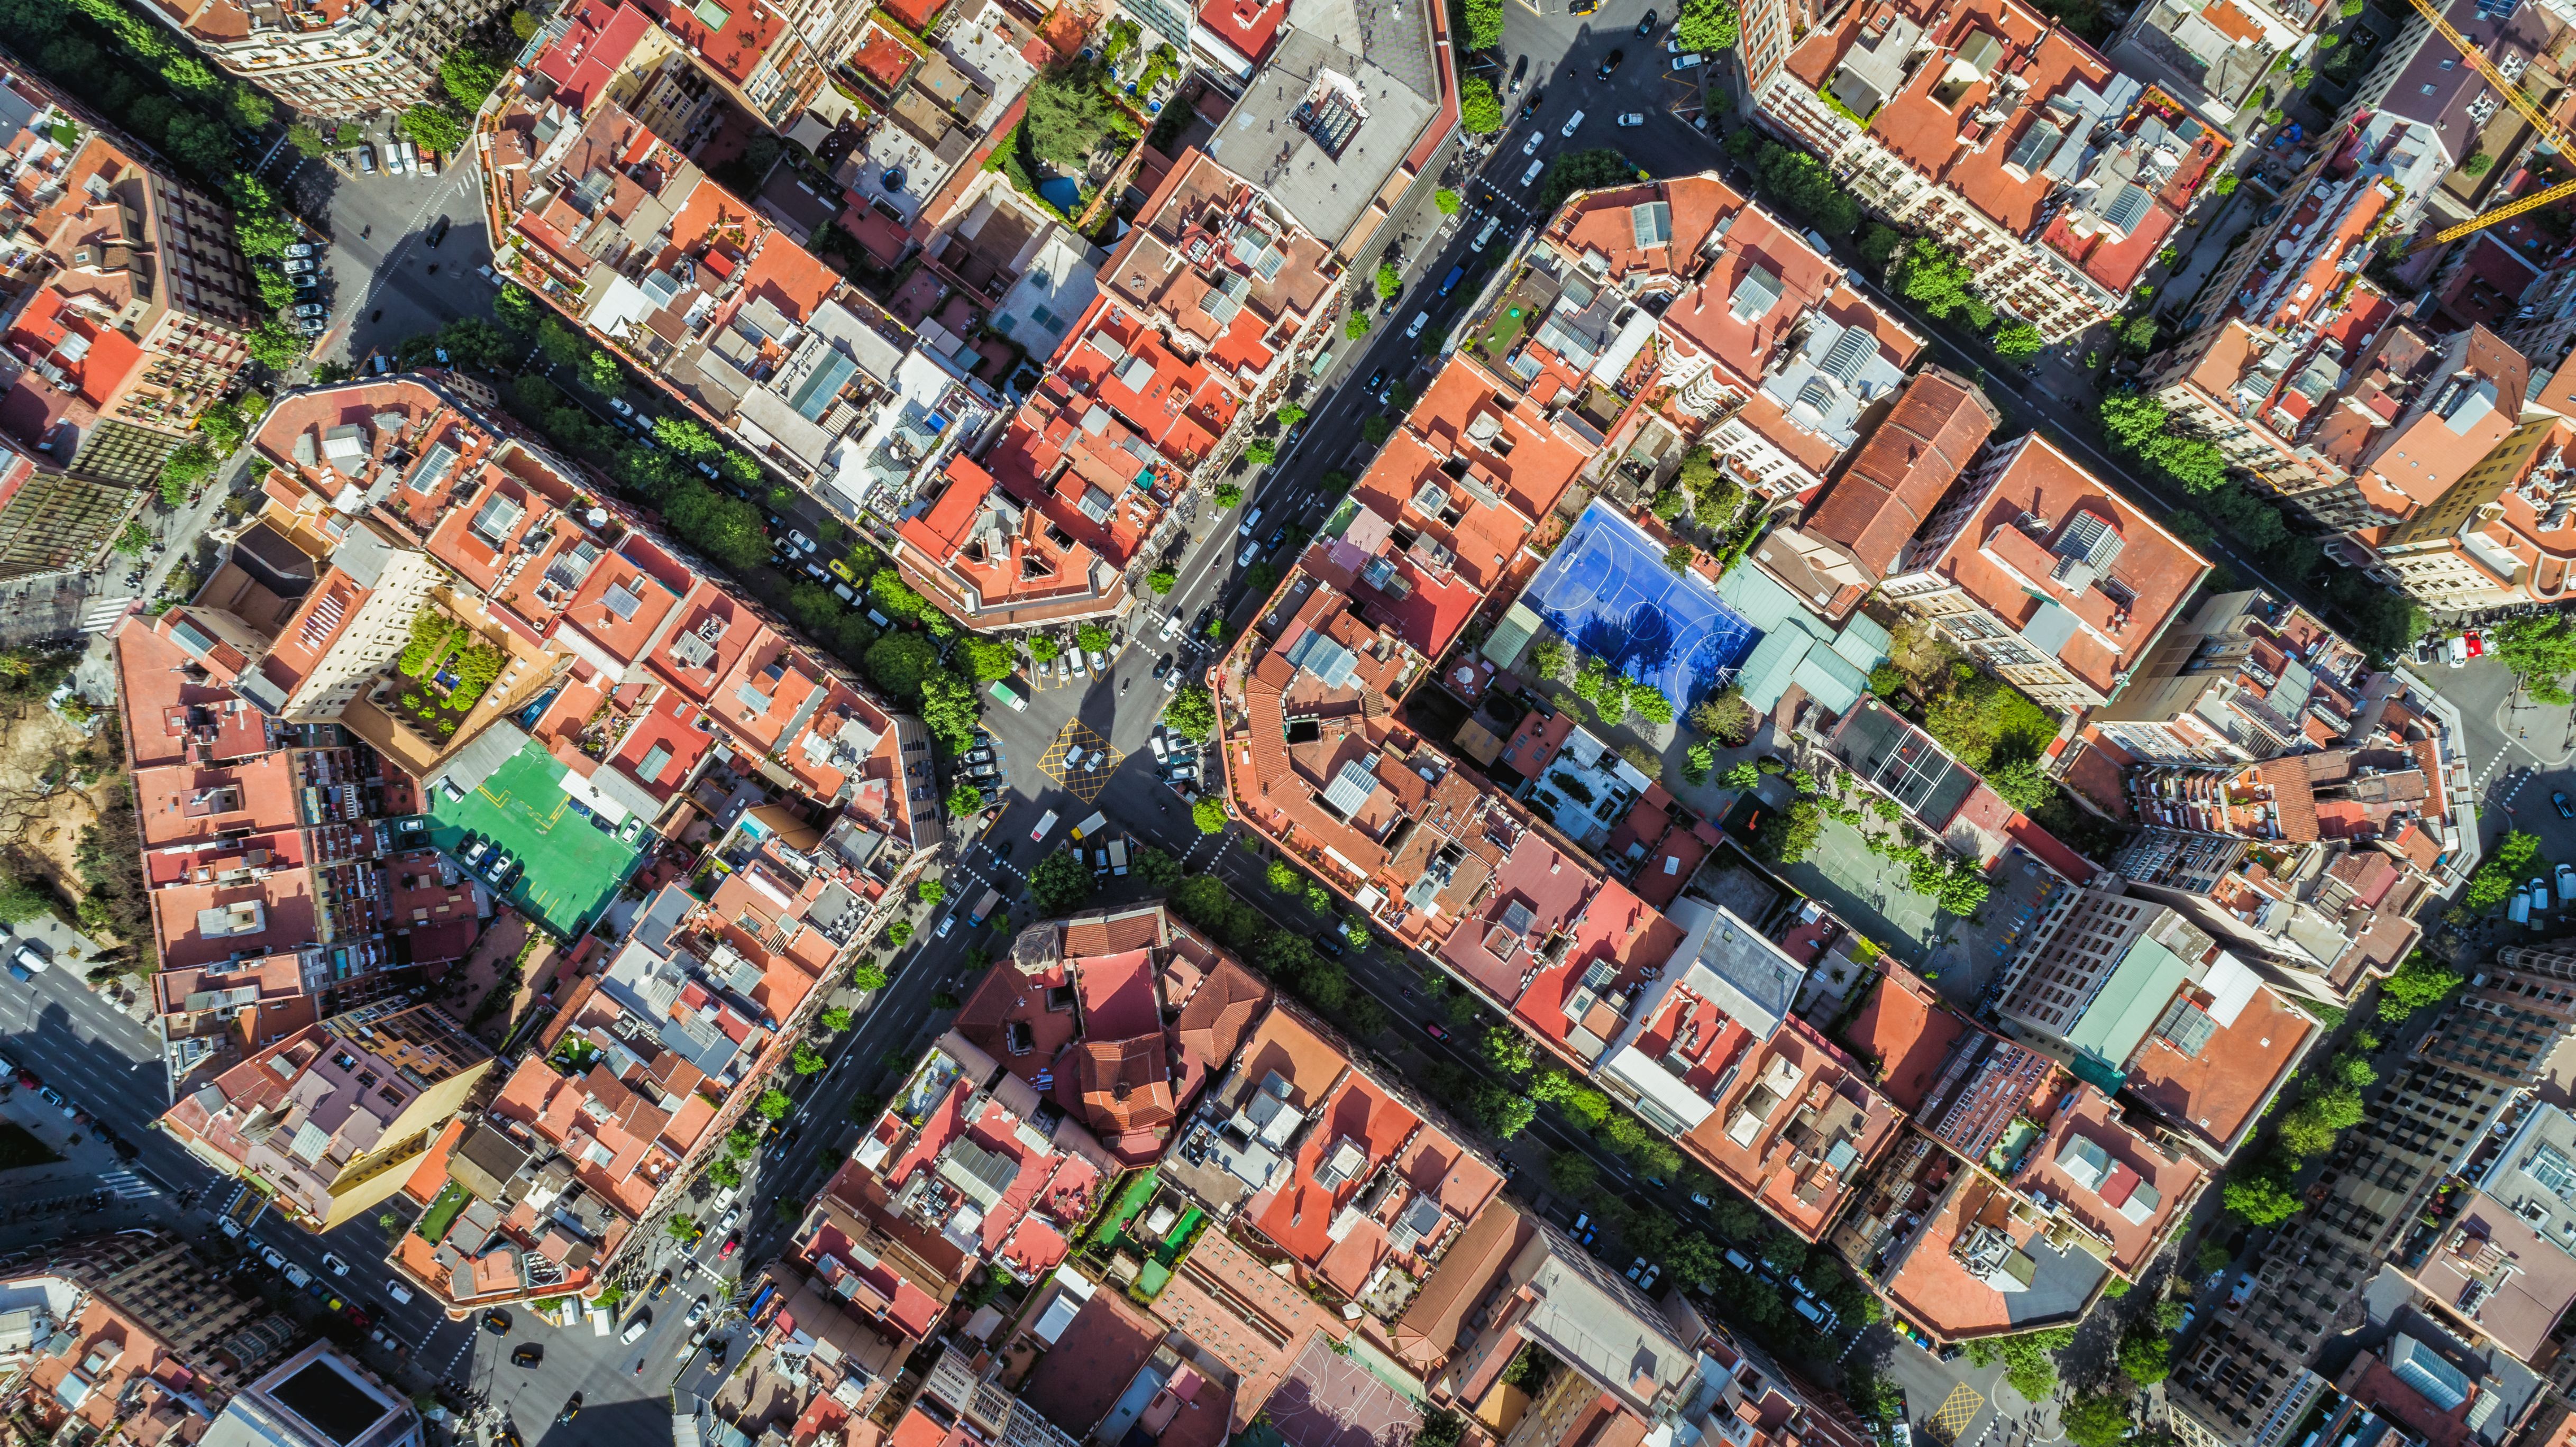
[1957, 1410]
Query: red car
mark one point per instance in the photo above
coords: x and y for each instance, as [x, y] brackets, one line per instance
[2477, 642]
[1434, 1029]
[732, 1243]
[27, 1079]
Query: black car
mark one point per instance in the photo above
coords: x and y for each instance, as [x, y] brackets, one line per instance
[1529, 108]
[1646, 26]
[1163, 665]
[528, 1355]
[572, 1409]
[437, 233]
[1278, 535]
[497, 1322]
[1207, 615]
[1376, 380]
[1609, 63]
[661, 1287]
[1520, 72]
[2565, 809]
[1329, 944]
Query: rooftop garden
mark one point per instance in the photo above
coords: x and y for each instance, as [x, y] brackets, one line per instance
[442, 1212]
[443, 672]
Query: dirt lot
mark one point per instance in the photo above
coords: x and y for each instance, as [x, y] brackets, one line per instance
[43, 804]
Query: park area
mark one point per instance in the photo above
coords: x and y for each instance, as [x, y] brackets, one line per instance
[572, 868]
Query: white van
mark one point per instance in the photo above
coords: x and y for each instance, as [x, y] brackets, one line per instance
[1046, 826]
[1117, 856]
[1251, 520]
[1534, 168]
[599, 1321]
[1420, 320]
[635, 1329]
[1486, 235]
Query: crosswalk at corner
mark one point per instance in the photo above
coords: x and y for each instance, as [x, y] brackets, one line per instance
[98, 615]
[127, 1186]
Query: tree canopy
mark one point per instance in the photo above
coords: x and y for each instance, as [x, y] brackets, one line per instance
[1191, 712]
[1061, 882]
[2541, 650]
[1478, 109]
[1706, 24]
[1574, 171]
[1068, 114]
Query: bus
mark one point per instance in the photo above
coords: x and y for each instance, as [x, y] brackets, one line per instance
[1090, 826]
[1004, 694]
[984, 908]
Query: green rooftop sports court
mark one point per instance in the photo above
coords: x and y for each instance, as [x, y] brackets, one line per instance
[571, 868]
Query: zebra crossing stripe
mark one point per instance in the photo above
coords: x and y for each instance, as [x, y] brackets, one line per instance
[127, 1186]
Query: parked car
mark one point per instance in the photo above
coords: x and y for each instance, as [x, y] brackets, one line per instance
[1629, 120]
[571, 1409]
[2558, 801]
[497, 1322]
[1646, 26]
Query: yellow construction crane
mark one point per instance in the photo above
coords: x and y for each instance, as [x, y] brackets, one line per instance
[2540, 123]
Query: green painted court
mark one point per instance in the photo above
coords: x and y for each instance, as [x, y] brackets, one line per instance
[570, 868]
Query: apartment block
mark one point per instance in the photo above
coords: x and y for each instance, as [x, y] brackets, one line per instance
[328, 1120]
[2047, 577]
[335, 59]
[1912, 85]
[1123, 1018]
[719, 303]
[132, 1330]
[319, 1397]
[2250, 1377]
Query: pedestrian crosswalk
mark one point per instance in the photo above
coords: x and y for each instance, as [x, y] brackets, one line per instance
[98, 615]
[127, 1186]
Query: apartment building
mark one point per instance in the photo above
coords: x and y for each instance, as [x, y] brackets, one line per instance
[717, 301]
[2028, 98]
[2249, 1379]
[327, 1120]
[2417, 74]
[1123, 1018]
[127, 304]
[319, 1397]
[331, 59]
[1852, 536]
[2045, 576]
[2245, 678]
[2212, 56]
[132, 1330]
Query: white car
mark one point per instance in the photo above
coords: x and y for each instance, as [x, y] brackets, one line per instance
[1172, 626]
[1155, 742]
[2458, 650]
[1571, 122]
[642, 1323]
[1420, 320]
[1073, 662]
[799, 541]
[1632, 119]
[1530, 146]
[270, 1255]
[619, 406]
[296, 1276]
[334, 1264]
[1099, 664]
[230, 1227]
[1532, 173]
[1172, 681]
[1685, 62]
[731, 1219]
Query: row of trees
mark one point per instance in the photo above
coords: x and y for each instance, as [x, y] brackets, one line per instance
[443, 122]
[140, 76]
[2327, 1101]
[905, 663]
[2140, 427]
[1798, 182]
[1932, 276]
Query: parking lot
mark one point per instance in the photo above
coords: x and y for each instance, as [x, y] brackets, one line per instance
[569, 866]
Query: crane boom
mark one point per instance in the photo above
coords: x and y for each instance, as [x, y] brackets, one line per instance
[2545, 128]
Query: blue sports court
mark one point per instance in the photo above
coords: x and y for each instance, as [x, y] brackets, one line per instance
[1606, 590]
